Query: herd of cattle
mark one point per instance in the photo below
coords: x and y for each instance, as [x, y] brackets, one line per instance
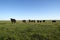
[38, 21]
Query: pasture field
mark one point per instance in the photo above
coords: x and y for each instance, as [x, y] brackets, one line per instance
[30, 31]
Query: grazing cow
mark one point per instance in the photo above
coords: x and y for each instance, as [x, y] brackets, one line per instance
[43, 20]
[53, 20]
[39, 21]
[32, 21]
[24, 21]
[13, 21]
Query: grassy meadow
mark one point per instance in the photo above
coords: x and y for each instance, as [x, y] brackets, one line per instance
[30, 31]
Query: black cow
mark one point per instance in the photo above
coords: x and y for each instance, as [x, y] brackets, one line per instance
[24, 21]
[32, 21]
[38, 21]
[43, 20]
[13, 21]
[53, 20]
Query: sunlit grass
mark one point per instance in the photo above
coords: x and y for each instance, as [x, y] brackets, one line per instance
[29, 31]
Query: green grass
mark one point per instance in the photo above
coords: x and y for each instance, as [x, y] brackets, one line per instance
[29, 31]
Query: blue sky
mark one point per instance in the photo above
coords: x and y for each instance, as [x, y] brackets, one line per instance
[30, 9]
